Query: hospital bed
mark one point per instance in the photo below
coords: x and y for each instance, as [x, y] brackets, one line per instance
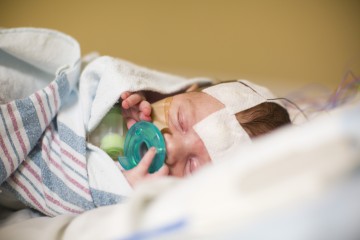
[299, 182]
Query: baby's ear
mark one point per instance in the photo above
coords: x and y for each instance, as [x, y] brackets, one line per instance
[192, 88]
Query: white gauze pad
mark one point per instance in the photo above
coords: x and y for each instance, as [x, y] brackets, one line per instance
[220, 131]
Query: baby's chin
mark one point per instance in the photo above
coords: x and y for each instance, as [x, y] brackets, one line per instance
[191, 166]
[177, 171]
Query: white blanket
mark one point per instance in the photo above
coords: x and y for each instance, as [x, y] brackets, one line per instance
[297, 183]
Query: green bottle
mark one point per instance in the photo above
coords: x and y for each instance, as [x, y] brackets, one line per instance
[109, 135]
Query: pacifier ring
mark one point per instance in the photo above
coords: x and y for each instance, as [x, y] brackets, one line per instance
[139, 139]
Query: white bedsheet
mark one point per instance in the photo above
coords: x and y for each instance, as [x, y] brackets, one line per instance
[297, 183]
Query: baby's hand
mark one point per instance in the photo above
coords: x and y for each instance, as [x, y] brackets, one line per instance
[135, 108]
[140, 172]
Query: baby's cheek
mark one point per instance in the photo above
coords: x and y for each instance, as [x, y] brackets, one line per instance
[176, 171]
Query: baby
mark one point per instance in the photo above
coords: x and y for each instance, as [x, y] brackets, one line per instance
[188, 147]
[46, 160]
[201, 127]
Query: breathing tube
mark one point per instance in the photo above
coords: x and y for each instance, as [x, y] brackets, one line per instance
[129, 146]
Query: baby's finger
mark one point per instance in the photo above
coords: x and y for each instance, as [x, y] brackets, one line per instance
[145, 108]
[147, 159]
[132, 100]
[125, 95]
[144, 117]
[130, 122]
[163, 171]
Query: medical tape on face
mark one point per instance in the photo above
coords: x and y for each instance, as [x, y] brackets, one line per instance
[239, 96]
[220, 131]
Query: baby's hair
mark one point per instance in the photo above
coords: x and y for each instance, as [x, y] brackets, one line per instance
[263, 118]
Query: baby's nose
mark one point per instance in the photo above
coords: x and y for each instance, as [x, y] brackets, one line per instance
[174, 148]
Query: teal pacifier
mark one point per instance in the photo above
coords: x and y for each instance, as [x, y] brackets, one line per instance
[139, 139]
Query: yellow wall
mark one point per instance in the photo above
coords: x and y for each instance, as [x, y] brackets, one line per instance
[290, 43]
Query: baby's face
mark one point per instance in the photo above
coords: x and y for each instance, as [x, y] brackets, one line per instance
[185, 151]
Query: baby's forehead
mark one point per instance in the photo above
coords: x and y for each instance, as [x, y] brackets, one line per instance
[201, 98]
[205, 102]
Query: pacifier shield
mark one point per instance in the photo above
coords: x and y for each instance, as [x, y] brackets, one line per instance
[139, 139]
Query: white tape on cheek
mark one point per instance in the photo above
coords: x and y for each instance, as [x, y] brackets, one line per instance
[221, 132]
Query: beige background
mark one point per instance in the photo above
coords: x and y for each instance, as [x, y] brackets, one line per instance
[283, 44]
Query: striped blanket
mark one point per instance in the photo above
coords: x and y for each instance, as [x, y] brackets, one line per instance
[48, 106]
